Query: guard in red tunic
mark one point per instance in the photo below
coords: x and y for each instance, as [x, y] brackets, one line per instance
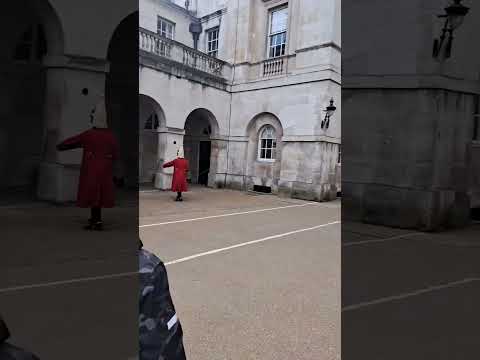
[180, 170]
[100, 150]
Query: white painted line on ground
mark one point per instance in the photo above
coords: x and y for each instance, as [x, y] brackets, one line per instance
[148, 191]
[229, 214]
[407, 295]
[67, 282]
[372, 241]
[127, 274]
[216, 251]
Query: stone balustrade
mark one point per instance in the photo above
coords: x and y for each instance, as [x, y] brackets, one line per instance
[274, 67]
[172, 50]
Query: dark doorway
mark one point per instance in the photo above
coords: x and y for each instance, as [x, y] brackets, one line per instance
[204, 162]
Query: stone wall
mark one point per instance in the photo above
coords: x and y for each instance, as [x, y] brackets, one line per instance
[419, 183]
[410, 118]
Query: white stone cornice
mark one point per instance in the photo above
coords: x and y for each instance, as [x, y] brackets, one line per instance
[311, 138]
[288, 80]
[76, 62]
[426, 81]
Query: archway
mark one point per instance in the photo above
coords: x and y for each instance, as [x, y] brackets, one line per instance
[151, 119]
[31, 31]
[200, 126]
[121, 86]
[264, 153]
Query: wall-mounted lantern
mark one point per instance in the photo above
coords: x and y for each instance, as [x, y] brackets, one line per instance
[328, 113]
[454, 16]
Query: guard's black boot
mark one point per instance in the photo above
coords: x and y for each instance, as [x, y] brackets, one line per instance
[98, 226]
[89, 226]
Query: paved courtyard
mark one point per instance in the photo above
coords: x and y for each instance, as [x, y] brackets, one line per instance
[56, 279]
[410, 295]
[252, 276]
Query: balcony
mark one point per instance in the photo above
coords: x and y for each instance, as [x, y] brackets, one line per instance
[274, 67]
[188, 58]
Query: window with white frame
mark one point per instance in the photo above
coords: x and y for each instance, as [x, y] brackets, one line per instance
[165, 28]
[267, 146]
[212, 41]
[277, 32]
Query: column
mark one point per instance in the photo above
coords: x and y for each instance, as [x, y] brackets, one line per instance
[169, 140]
[66, 113]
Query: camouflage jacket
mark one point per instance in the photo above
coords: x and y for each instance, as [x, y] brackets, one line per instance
[8, 351]
[159, 329]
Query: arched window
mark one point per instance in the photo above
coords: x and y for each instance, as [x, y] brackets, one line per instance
[152, 122]
[267, 145]
[32, 45]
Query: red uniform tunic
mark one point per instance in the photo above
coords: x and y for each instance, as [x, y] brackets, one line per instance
[180, 169]
[100, 149]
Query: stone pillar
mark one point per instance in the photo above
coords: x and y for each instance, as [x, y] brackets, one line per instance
[309, 170]
[169, 139]
[66, 113]
[218, 162]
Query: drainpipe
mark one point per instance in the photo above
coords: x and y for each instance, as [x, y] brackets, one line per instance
[231, 93]
[196, 30]
[476, 118]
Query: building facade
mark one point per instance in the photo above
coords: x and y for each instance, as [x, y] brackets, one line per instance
[53, 74]
[243, 87]
[412, 151]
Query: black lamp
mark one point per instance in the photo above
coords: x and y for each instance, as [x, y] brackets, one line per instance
[454, 16]
[328, 113]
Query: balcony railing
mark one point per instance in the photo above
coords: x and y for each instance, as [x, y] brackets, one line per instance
[175, 51]
[275, 66]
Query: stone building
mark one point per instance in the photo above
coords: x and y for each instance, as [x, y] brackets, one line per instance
[411, 147]
[55, 66]
[243, 87]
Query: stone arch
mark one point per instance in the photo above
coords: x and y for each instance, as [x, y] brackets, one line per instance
[53, 27]
[121, 85]
[201, 146]
[151, 121]
[24, 89]
[205, 116]
[261, 172]
[32, 14]
[150, 105]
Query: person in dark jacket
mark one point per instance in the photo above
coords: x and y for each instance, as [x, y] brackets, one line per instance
[100, 150]
[180, 170]
[8, 351]
[160, 331]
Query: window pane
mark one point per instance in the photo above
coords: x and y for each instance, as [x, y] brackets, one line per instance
[148, 123]
[279, 20]
[269, 144]
[262, 154]
[268, 154]
[274, 144]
